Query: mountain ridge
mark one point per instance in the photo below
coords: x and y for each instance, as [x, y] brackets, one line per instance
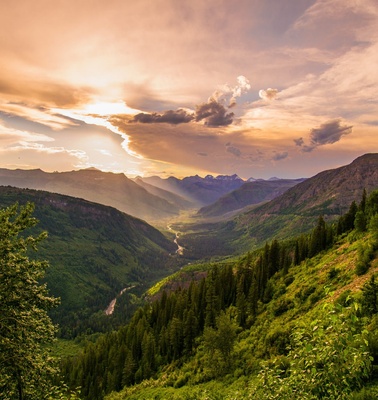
[115, 190]
[328, 193]
[250, 193]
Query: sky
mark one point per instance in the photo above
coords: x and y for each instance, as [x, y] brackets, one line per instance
[259, 88]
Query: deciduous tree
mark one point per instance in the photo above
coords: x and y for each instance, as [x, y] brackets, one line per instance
[25, 327]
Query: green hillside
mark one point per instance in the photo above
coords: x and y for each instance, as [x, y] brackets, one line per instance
[94, 252]
[296, 319]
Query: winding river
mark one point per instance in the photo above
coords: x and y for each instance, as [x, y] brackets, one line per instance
[110, 309]
[180, 249]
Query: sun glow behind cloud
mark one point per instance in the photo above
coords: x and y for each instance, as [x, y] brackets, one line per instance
[159, 89]
[98, 113]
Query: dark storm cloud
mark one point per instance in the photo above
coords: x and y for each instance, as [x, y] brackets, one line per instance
[328, 133]
[214, 114]
[179, 116]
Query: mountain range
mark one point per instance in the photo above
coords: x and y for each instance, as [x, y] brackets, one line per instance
[152, 199]
[329, 193]
[110, 189]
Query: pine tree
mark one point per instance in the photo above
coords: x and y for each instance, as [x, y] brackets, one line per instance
[318, 238]
[370, 297]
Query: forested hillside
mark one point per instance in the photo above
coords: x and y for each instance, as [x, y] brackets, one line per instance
[294, 319]
[94, 252]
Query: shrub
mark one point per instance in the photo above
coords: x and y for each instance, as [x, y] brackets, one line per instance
[282, 306]
[333, 272]
[328, 359]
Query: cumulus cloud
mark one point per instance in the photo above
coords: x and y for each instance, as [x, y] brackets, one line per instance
[328, 133]
[280, 156]
[179, 116]
[213, 114]
[268, 94]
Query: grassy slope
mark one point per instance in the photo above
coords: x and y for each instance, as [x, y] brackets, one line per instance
[303, 290]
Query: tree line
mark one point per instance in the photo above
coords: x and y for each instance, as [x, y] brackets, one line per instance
[169, 329]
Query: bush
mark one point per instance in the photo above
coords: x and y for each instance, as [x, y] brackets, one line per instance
[365, 256]
[333, 272]
[329, 359]
[282, 306]
[365, 394]
[277, 342]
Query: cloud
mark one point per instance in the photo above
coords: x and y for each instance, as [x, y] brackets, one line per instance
[170, 117]
[233, 150]
[328, 133]
[268, 94]
[202, 154]
[227, 94]
[280, 156]
[213, 114]
[44, 91]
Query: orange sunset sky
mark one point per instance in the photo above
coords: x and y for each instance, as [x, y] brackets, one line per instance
[259, 88]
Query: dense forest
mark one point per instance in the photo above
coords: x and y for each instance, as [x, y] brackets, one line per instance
[204, 324]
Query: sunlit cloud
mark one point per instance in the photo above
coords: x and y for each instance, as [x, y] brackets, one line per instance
[260, 83]
[268, 94]
[97, 114]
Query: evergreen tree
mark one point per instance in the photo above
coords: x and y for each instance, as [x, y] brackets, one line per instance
[253, 298]
[362, 205]
[370, 296]
[274, 258]
[25, 327]
[360, 221]
[318, 238]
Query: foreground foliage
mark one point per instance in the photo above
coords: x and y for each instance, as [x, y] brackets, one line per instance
[26, 367]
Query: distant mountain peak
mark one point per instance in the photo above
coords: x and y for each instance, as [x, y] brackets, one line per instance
[251, 179]
[233, 177]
